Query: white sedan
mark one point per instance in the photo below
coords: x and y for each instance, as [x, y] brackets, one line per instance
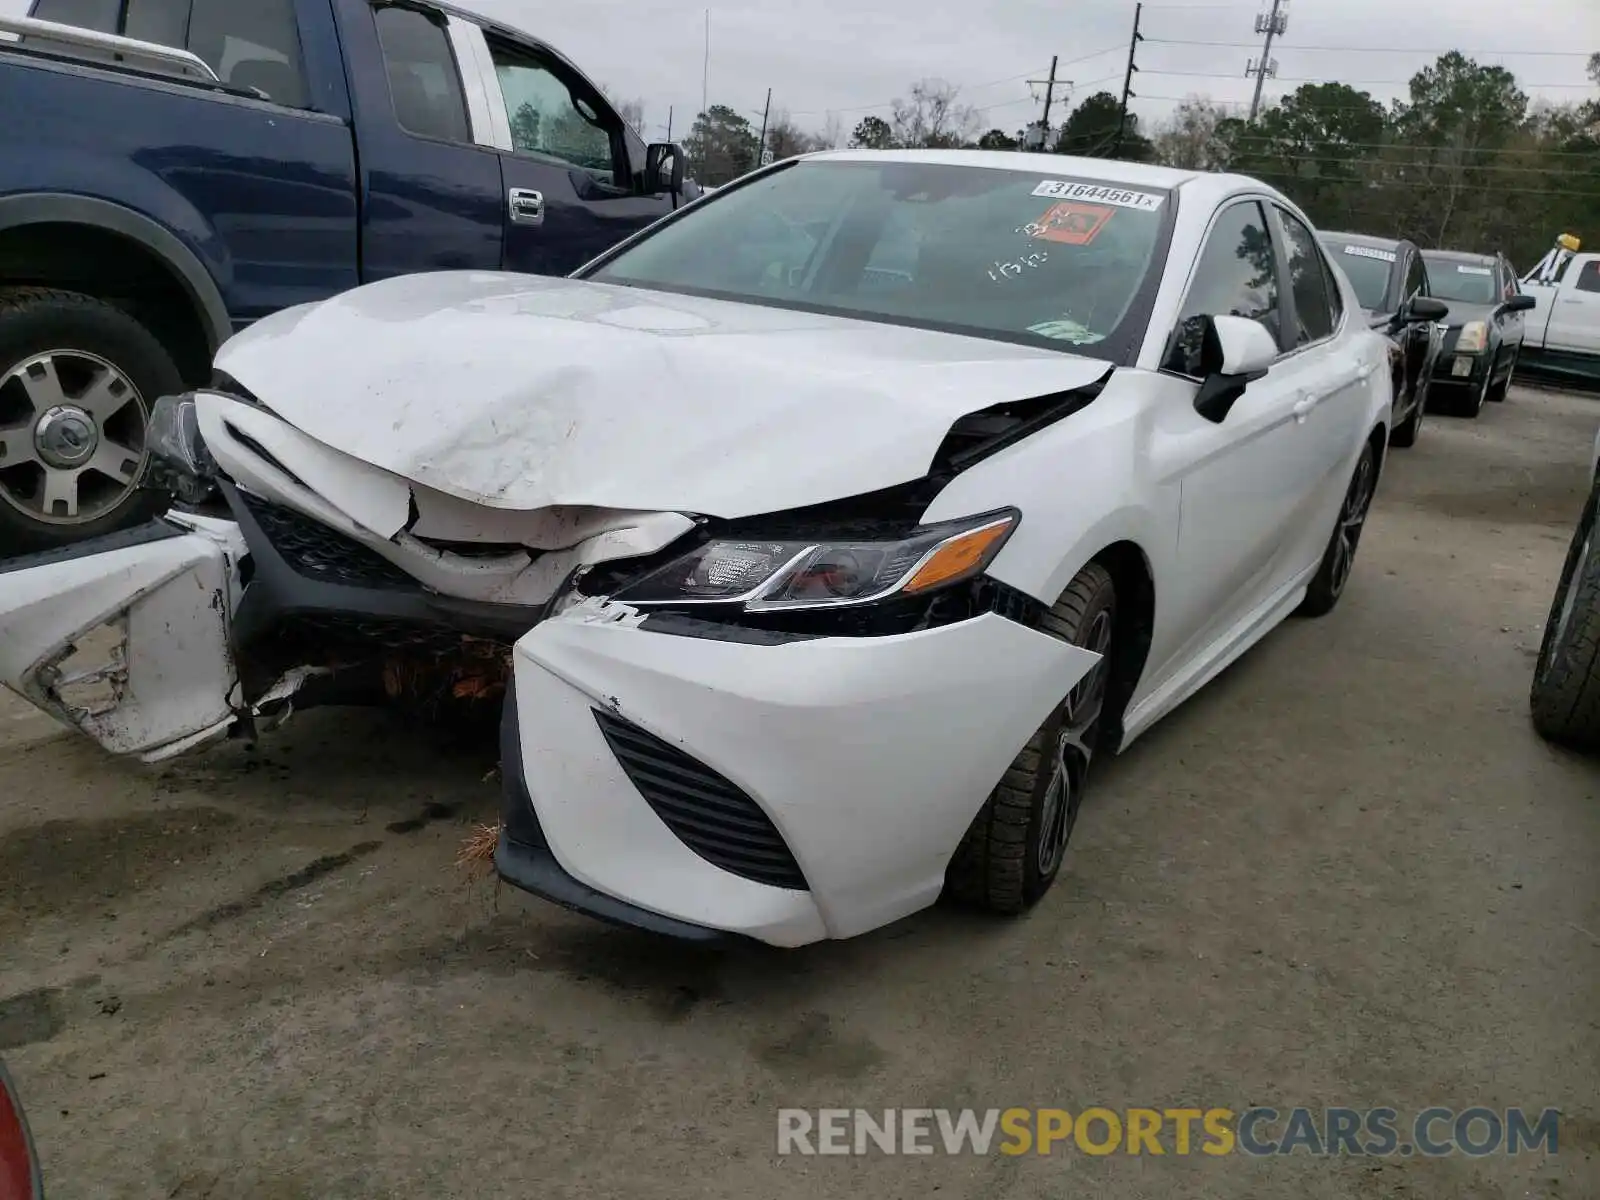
[817, 538]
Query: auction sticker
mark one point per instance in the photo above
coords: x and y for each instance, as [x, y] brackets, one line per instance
[1098, 193]
[1073, 224]
[1387, 256]
[1474, 271]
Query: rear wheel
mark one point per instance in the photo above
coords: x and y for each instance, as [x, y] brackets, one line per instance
[1565, 698]
[1014, 847]
[1327, 585]
[77, 379]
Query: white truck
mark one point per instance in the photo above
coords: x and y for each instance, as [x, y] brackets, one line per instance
[1562, 337]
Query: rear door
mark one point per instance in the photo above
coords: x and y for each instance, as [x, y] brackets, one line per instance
[572, 170]
[432, 184]
[1330, 378]
[1575, 313]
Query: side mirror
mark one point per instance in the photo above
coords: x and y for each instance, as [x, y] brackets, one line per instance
[1234, 353]
[1520, 303]
[1424, 309]
[663, 168]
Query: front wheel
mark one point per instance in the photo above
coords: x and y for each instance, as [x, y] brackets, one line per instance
[1565, 698]
[1014, 847]
[77, 379]
[1327, 585]
[1499, 391]
[1405, 433]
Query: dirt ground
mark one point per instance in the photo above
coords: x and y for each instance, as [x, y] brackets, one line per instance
[1346, 874]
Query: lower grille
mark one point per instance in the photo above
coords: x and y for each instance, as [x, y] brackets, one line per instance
[708, 813]
[323, 554]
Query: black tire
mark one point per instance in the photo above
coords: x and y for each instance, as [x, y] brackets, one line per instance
[1565, 697]
[1405, 433]
[1338, 559]
[1014, 848]
[37, 321]
[1499, 391]
[1473, 404]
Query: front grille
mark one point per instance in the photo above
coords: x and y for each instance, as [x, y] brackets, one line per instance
[323, 554]
[708, 813]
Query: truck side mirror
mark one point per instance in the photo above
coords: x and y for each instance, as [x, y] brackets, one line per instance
[663, 169]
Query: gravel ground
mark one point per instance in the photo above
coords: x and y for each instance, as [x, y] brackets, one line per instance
[1346, 874]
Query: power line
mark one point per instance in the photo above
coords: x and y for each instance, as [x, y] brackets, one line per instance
[977, 87]
[1348, 82]
[1374, 49]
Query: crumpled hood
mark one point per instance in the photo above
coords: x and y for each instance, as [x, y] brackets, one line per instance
[523, 392]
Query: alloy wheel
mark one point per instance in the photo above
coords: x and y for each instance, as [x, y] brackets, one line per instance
[1352, 519]
[1073, 747]
[72, 436]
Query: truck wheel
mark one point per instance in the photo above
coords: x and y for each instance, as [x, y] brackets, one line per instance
[78, 377]
[1014, 847]
[1565, 698]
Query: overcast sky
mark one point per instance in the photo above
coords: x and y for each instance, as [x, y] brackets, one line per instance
[855, 56]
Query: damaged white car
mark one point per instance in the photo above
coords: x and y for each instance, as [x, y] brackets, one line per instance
[811, 542]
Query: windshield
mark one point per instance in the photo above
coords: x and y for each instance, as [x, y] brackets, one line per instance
[1012, 255]
[1469, 283]
[1369, 268]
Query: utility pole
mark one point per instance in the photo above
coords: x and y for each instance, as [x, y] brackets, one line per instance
[705, 67]
[1271, 24]
[761, 144]
[1127, 80]
[1037, 138]
[669, 122]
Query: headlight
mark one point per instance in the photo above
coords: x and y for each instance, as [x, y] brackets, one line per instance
[1474, 337]
[788, 574]
[179, 460]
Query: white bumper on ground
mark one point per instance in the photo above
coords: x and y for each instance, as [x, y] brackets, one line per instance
[870, 755]
[126, 637]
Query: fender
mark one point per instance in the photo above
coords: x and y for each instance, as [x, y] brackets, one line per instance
[37, 208]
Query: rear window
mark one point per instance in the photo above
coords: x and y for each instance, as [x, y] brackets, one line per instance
[1013, 255]
[1369, 269]
[1464, 282]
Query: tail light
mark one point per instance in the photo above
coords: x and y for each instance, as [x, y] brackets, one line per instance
[19, 1165]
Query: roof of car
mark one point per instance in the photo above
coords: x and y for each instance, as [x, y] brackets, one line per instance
[1365, 239]
[1461, 256]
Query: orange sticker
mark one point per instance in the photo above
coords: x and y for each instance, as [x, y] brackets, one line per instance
[1073, 224]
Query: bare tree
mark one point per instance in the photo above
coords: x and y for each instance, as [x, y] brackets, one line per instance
[786, 139]
[1594, 67]
[1188, 139]
[932, 117]
[832, 135]
[631, 111]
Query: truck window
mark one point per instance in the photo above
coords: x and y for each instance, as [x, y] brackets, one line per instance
[423, 78]
[254, 45]
[99, 15]
[1589, 278]
[548, 121]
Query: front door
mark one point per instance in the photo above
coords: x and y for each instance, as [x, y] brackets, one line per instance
[1243, 481]
[572, 187]
[1575, 311]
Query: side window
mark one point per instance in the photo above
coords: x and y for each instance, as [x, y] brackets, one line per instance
[1237, 276]
[552, 120]
[254, 45]
[98, 15]
[1589, 277]
[423, 79]
[1316, 296]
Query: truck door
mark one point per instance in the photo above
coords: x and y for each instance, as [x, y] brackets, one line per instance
[1575, 308]
[572, 185]
[432, 198]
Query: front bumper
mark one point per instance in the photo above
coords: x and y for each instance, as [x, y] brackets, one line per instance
[859, 763]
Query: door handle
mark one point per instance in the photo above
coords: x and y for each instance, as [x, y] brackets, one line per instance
[1303, 406]
[526, 206]
[1365, 373]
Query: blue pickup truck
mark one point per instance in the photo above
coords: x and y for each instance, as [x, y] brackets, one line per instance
[172, 170]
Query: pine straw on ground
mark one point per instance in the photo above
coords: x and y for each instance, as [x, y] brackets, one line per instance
[477, 851]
